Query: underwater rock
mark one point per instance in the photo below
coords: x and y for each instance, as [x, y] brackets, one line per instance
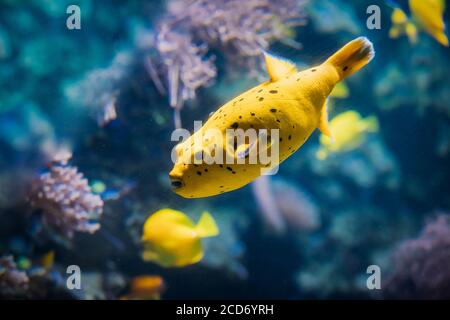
[13, 282]
[419, 267]
[64, 195]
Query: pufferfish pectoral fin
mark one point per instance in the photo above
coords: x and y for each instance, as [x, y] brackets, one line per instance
[278, 67]
[323, 121]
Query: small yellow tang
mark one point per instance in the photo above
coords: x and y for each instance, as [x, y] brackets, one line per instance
[291, 103]
[170, 239]
[429, 14]
[349, 131]
[401, 25]
[145, 287]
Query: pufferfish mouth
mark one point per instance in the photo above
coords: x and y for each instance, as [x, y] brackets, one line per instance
[176, 183]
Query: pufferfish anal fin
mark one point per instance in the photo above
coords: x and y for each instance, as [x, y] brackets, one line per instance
[323, 121]
[277, 67]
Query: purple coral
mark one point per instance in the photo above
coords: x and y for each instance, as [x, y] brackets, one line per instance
[185, 67]
[13, 282]
[239, 29]
[66, 199]
[421, 265]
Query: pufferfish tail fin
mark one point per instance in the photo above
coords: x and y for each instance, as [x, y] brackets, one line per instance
[352, 57]
[206, 226]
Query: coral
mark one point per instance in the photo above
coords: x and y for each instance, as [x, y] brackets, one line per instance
[13, 282]
[68, 204]
[420, 266]
[283, 204]
[98, 89]
[299, 208]
[185, 67]
[238, 29]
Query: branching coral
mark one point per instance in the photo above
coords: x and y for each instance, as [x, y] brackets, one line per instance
[13, 282]
[420, 266]
[186, 68]
[239, 29]
[66, 199]
[99, 89]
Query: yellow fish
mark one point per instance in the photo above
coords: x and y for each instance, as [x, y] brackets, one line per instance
[170, 239]
[401, 25]
[340, 91]
[292, 102]
[429, 14]
[145, 287]
[349, 131]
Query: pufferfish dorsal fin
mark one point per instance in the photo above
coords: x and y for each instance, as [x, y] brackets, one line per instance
[278, 67]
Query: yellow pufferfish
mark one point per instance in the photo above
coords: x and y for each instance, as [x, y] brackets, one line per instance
[171, 239]
[293, 102]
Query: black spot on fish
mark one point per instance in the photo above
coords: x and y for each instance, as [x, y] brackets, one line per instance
[240, 117]
[293, 127]
[281, 139]
[261, 99]
[221, 165]
[273, 110]
[206, 170]
[345, 68]
[289, 138]
[229, 169]
[195, 165]
[273, 91]
[199, 173]
[252, 114]
[233, 172]
[220, 186]
[251, 126]
[289, 148]
[313, 70]
[278, 121]
[235, 125]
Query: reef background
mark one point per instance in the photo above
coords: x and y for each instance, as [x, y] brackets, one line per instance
[92, 91]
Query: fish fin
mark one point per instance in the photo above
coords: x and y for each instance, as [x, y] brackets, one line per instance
[206, 226]
[148, 255]
[278, 67]
[340, 90]
[411, 32]
[442, 38]
[243, 151]
[323, 121]
[371, 124]
[352, 57]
